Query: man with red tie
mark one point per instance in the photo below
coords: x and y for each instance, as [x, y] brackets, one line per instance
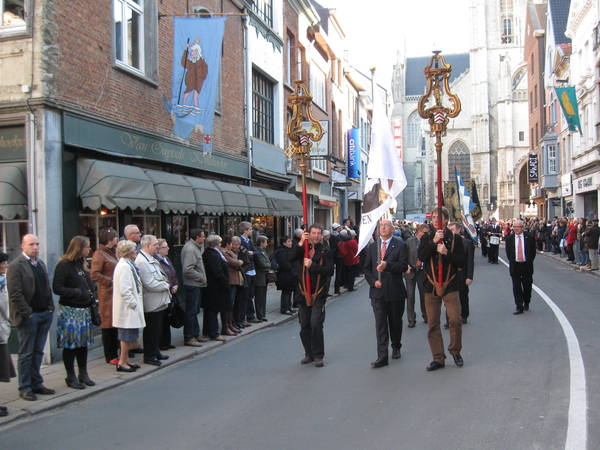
[383, 272]
[520, 250]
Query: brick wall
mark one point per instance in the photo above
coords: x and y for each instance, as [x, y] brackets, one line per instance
[85, 79]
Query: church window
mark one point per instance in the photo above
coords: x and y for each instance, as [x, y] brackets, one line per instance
[459, 156]
[414, 130]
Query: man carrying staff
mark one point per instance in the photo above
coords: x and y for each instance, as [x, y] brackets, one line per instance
[442, 242]
[311, 314]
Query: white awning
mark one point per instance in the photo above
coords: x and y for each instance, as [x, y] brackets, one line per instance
[173, 193]
[282, 203]
[257, 202]
[114, 186]
[13, 190]
[208, 197]
[234, 200]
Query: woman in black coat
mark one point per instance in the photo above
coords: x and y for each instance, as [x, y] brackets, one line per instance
[287, 275]
[216, 295]
[72, 282]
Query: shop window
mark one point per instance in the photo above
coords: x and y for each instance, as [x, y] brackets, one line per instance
[91, 222]
[179, 229]
[233, 225]
[11, 232]
[147, 222]
[210, 224]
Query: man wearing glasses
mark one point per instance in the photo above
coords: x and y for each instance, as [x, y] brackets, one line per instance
[520, 250]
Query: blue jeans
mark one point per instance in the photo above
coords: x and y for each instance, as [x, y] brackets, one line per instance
[33, 333]
[191, 328]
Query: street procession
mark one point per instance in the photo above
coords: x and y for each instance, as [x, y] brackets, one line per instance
[299, 224]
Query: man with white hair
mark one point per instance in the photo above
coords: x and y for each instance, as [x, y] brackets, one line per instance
[520, 250]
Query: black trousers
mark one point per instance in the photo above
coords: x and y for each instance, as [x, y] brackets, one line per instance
[152, 333]
[522, 281]
[311, 329]
[463, 291]
[110, 343]
[493, 253]
[388, 325]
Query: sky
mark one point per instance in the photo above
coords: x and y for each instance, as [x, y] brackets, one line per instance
[376, 29]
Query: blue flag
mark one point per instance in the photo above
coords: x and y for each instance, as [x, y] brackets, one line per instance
[466, 205]
[196, 69]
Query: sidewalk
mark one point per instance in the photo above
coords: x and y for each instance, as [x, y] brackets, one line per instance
[564, 262]
[106, 376]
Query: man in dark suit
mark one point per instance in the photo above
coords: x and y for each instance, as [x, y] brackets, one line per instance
[383, 271]
[31, 309]
[465, 276]
[520, 251]
[493, 234]
[442, 242]
[319, 265]
[415, 276]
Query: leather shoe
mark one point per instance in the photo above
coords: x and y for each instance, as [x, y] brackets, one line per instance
[153, 362]
[125, 369]
[379, 363]
[518, 311]
[28, 395]
[446, 325]
[202, 338]
[411, 323]
[458, 360]
[44, 391]
[134, 366]
[162, 357]
[464, 320]
[526, 307]
[318, 362]
[396, 354]
[193, 343]
[435, 366]
[307, 360]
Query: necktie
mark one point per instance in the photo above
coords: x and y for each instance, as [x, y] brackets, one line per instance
[520, 256]
[383, 249]
[311, 253]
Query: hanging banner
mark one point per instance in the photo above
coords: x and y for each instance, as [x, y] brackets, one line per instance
[196, 69]
[567, 98]
[533, 168]
[354, 153]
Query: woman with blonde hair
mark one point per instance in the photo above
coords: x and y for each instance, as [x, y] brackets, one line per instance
[128, 307]
[73, 284]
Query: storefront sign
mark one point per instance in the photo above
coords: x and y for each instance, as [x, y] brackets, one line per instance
[353, 153]
[12, 144]
[586, 183]
[533, 168]
[566, 184]
[320, 148]
[82, 132]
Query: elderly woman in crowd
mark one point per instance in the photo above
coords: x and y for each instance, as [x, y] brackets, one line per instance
[236, 282]
[128, 306]
[262, 265]
[287, 275]
[72, 282]
[7, 369]
[216, 296]
[167, 266]
[103, 266]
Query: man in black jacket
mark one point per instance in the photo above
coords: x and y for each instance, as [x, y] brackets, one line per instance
[311, 313]
[383, 269]
[442, 242]
[465, 276]
[520, 251]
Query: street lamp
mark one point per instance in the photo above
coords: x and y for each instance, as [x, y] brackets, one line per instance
[299, 148]
[437, 75]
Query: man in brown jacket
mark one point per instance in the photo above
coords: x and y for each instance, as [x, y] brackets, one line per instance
[32, 308]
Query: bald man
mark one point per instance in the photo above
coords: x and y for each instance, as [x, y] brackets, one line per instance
[31, 310]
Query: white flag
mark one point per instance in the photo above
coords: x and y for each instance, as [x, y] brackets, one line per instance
[385, 174]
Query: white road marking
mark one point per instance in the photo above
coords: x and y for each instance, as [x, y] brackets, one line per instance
[577, 420]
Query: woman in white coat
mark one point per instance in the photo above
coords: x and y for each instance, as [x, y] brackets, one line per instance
[128, 305]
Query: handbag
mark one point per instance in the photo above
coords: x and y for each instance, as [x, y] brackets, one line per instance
[271, 276]
[176, 314]
[94, 309]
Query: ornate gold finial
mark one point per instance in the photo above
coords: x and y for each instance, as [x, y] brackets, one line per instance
[301, 102]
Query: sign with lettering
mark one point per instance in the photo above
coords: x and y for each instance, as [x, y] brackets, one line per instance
[320, 148]
[12, 144]
[82, 132]
[353, 153]
[533, 168]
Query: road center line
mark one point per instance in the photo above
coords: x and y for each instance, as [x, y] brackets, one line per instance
[577, 420]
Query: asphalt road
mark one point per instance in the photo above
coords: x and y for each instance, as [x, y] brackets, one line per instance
[512, 393]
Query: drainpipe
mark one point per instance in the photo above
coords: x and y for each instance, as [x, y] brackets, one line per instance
[248, 87]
